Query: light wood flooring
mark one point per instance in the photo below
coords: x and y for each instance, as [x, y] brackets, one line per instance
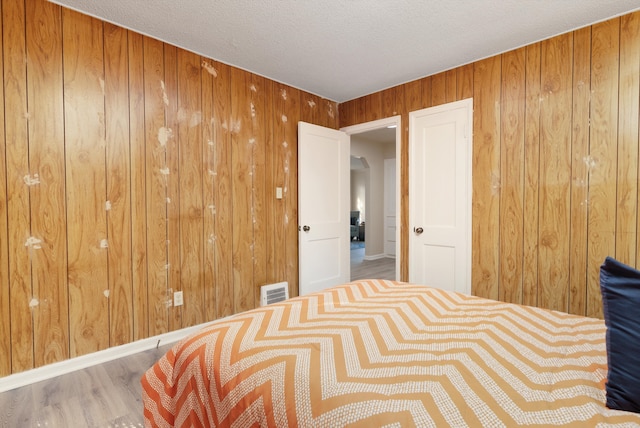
[107, 395]
[371, 269]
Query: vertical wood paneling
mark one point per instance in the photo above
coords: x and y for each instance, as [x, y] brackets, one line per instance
[271, 202]
[17, 165]
[373, 107]
[5, 303]
[465, 82]
[116, 92]
[531, 176]
[512, 176]
[579, 163]
[486, 178]
[222, 184]
[412, 97]
[260, 93]
[112, 148]
[310, 112]
[427, 92]
[190, 219]
[388, 103]
[174, 116]
[207, 171]
[451, 85]
[46, 148]
[439, 89]
[243, 163]
[281, 172]
[290, 120]
[137, 146]
[555, 168]
[157, 136]
[579, 170]
[119, 173]
[85, 182]
[603, 155]
[627, 180]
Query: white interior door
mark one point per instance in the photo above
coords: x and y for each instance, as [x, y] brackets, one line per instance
[440, 146]
[323, 207]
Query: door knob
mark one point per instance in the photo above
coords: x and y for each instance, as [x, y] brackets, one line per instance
[418, 230]
[306, 228]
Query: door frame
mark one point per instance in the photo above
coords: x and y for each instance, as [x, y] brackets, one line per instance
[384, 123]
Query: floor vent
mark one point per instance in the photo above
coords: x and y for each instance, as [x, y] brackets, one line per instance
[274, 293]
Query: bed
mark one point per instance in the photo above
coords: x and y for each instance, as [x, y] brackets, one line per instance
[384, 353]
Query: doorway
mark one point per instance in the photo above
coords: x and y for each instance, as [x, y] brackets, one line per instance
[375, 174]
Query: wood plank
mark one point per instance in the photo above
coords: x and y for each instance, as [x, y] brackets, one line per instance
[47, 159]
[223, 202]
[627, 181]
[451, 85]
[555, 168]
[465, 82]
[603, 155]
[270, 202]
[439, 89]
[401, 108]
[290, 121]
[410, 95]
[208, 168]
[427, 92]
[116, 91]
[531, 176]
[413, 95]
[486, 178]
[5, 301]
[281, 172]
[373, 103]
[138, 186]
[17, 167]
[347, 113]
[156, 186]
[85, 183]
[309, 108]
[260, 92]
[579, 170]
[174, 115]
[388, 103]
[512, 176]
[242, 164]
[191, 211]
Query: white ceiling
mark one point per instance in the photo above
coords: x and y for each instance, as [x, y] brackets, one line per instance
[343, 49]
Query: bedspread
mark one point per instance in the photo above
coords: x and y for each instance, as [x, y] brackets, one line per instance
[382, 353]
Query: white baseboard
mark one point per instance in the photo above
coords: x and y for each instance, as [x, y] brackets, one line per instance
[375, 257]
[49, 371]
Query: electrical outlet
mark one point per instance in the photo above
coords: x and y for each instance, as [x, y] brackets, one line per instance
[178, 299]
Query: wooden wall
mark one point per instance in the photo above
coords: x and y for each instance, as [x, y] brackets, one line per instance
[131, 169]
[555, 161]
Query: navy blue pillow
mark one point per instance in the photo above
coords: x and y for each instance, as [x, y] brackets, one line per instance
[620, 287]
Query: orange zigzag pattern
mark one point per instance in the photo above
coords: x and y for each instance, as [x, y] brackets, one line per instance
[381, 352]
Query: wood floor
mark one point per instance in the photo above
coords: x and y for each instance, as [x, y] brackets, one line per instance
[369, 269]
[107, 395]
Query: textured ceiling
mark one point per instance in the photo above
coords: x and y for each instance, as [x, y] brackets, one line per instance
[343, 49]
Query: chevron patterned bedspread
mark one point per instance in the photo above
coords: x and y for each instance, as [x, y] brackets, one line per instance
[380, 353]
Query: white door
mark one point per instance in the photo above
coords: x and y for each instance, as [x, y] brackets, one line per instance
[323, 207]
[440, 147]
[390, 207]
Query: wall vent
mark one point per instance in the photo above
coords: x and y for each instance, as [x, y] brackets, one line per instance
[274, 293]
